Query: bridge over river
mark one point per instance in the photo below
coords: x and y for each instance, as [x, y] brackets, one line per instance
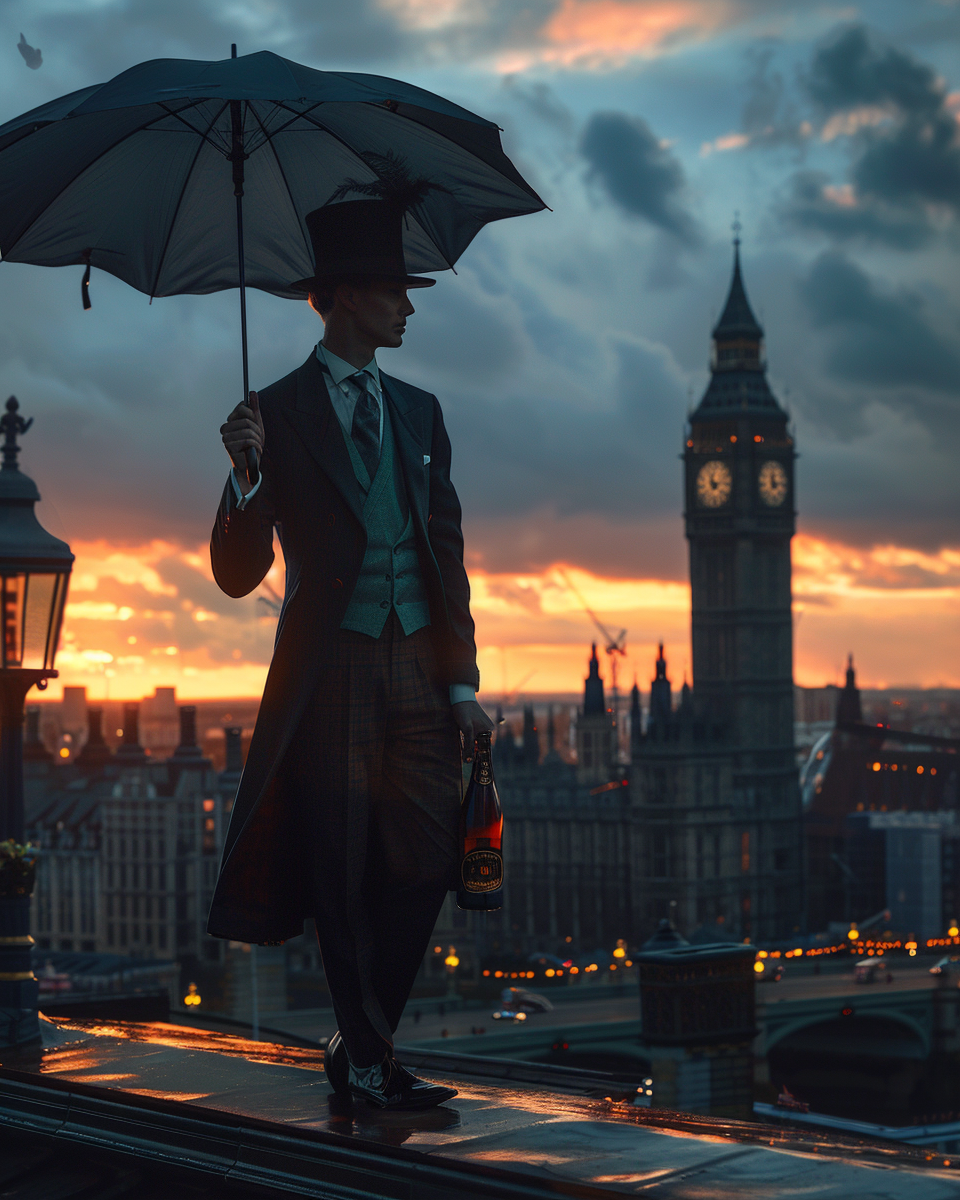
[909, 1018]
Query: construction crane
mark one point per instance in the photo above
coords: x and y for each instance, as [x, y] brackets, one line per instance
[510, 695]
[615, 646]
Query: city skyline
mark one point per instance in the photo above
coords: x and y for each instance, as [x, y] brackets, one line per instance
[570, 346]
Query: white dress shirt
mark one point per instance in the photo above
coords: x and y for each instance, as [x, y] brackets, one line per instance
[344, 392]
[343, 388]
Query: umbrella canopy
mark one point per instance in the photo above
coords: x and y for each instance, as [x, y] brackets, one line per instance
[138, 176]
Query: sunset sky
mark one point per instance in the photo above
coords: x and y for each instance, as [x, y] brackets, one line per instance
[569, 347]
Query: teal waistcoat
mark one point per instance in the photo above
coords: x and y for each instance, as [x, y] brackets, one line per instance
[390, 574]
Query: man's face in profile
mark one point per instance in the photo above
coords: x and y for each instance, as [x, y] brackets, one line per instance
[380, 310]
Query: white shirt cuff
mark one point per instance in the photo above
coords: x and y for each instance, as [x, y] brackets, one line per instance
[460, 693]
[243, 500]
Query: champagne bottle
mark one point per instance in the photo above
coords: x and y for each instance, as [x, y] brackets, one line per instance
[481, 836]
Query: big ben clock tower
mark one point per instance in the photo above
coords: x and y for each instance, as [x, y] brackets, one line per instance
[740, 516]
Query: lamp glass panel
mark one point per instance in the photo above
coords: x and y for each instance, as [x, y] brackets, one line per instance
[38, 616]
[12, 588]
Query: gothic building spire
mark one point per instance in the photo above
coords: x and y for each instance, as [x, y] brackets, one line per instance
[737, 320]
[636, 718]
[848, 703]
[661, 699]
[738, 384]
[593, 701]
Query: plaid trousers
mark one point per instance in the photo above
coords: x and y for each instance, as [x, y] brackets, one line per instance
[376, 776]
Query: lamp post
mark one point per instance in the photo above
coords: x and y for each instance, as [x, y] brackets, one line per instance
[34, 573]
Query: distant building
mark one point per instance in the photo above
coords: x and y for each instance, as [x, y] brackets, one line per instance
[714, 783]
[688, 855]
[567, 843]
[130, 846]
[596, 730]
[857, 768]
[906, 863]
[703, 825]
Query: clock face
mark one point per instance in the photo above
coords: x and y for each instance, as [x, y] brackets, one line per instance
[714, 484]
[772, 482]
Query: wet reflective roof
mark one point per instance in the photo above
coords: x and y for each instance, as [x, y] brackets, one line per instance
[591, 1145]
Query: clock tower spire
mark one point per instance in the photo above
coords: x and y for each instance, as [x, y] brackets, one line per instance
[740, 518]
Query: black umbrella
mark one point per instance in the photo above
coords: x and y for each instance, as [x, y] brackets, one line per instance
[141, 176]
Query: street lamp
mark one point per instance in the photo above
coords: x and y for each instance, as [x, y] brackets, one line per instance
[34, 573]
[451, 962]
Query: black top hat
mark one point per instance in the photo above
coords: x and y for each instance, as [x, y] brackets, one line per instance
[358, 239]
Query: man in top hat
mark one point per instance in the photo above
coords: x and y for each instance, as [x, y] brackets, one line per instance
[348, 807]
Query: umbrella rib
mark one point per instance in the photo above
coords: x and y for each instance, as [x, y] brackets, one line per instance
[166, 241]
[436, 133]
[342, 142]
[197, 132]
[496, 171]
[276, 159]
[326, 129]
[295, 117]
[86, 167]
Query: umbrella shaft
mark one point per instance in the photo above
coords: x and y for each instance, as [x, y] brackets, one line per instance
[237, 157]
[243, 300]
[253, 470]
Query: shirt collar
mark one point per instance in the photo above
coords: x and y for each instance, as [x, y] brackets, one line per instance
[340, 369]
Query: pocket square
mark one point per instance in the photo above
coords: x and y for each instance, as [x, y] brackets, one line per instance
[426, 459]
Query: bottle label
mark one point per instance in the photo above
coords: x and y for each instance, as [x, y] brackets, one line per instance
[482, 870]
[484, 769]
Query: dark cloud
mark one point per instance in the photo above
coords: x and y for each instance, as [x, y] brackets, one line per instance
[885, 340]
[854, 67]
[565, 425]
[638, 172]
[599, 455]
[905, 169]
[917, 163]
[814, 205]
[128, 397]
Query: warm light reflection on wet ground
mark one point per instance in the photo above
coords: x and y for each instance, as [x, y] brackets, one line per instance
[160, 1033]
[605, 1142]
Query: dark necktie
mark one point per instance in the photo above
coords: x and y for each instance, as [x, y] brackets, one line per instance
[365, 430]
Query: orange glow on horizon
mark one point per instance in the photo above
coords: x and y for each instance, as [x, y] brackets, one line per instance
[149, 616]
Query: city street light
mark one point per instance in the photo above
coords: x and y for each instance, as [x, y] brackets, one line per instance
[451, 962]
[34, 574]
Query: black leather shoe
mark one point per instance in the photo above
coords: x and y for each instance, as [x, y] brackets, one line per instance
[336, 1065]
[430, 1093]
[386, 1087]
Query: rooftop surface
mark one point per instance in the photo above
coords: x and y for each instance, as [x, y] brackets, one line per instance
[225, 1108]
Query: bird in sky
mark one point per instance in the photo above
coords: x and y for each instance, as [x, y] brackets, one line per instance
[33, 58]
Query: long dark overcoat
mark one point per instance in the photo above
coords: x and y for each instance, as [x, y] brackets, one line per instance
[311, 495]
